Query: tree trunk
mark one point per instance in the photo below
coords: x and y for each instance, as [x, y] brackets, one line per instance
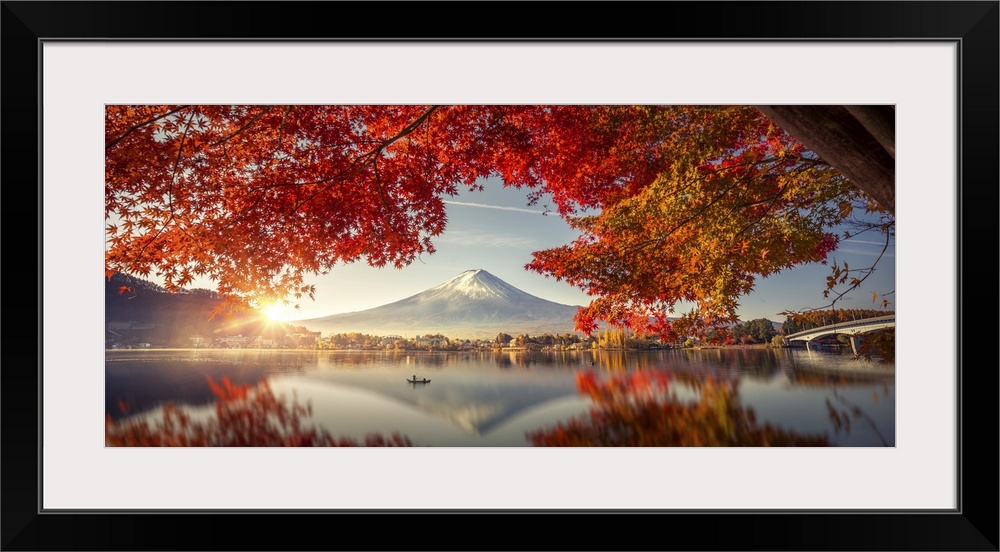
[859, 141]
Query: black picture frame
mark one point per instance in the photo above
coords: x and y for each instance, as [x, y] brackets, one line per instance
[972, 526]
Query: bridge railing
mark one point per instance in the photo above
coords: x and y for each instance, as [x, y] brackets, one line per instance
[832, 328]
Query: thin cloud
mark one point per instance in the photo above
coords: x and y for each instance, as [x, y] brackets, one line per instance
[497, 207]
[863, 252]
[463, 237]
[866, 242]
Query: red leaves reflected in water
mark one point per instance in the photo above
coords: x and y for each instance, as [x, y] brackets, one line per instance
[642, 410]
[244, 416]
[228, 391]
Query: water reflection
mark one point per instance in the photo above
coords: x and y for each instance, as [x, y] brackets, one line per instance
[243, 416]
[143, 380]
[642, 409]
[505, 398]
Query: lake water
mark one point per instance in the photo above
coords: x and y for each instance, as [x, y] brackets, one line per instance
[498, 399]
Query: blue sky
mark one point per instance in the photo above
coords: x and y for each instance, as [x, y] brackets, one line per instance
[496, 230]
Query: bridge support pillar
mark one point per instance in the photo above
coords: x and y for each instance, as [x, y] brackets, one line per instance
[854, 345]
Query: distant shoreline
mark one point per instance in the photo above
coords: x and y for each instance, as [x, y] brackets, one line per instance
[757, 346]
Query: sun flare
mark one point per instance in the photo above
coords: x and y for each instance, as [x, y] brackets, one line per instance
[276, 312]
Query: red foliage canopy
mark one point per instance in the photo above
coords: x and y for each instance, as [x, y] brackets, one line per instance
[675, 203]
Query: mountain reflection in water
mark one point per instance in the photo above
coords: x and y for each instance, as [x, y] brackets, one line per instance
[508, 399]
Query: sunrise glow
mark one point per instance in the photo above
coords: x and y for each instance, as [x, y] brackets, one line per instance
[279, 312]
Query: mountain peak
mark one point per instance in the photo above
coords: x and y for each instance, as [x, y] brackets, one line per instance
[474, 303]
[472, 272]
[477, 284]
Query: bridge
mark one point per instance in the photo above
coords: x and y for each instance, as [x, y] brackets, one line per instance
[852, 328]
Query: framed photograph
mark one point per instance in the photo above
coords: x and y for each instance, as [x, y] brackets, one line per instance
[929, 485]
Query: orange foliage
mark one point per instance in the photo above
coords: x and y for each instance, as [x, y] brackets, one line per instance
[639, 410]
[879, 346]
[245, 416]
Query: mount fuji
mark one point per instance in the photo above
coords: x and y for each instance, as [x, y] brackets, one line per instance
[474, 305]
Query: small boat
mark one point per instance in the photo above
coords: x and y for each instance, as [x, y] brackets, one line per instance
[414, 380]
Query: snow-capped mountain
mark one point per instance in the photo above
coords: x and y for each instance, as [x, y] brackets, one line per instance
[474, 304]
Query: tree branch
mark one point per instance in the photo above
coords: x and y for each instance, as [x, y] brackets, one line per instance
[371, 156]
[244, 127]
[855, 285]
[142, 124]
[170, 193]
